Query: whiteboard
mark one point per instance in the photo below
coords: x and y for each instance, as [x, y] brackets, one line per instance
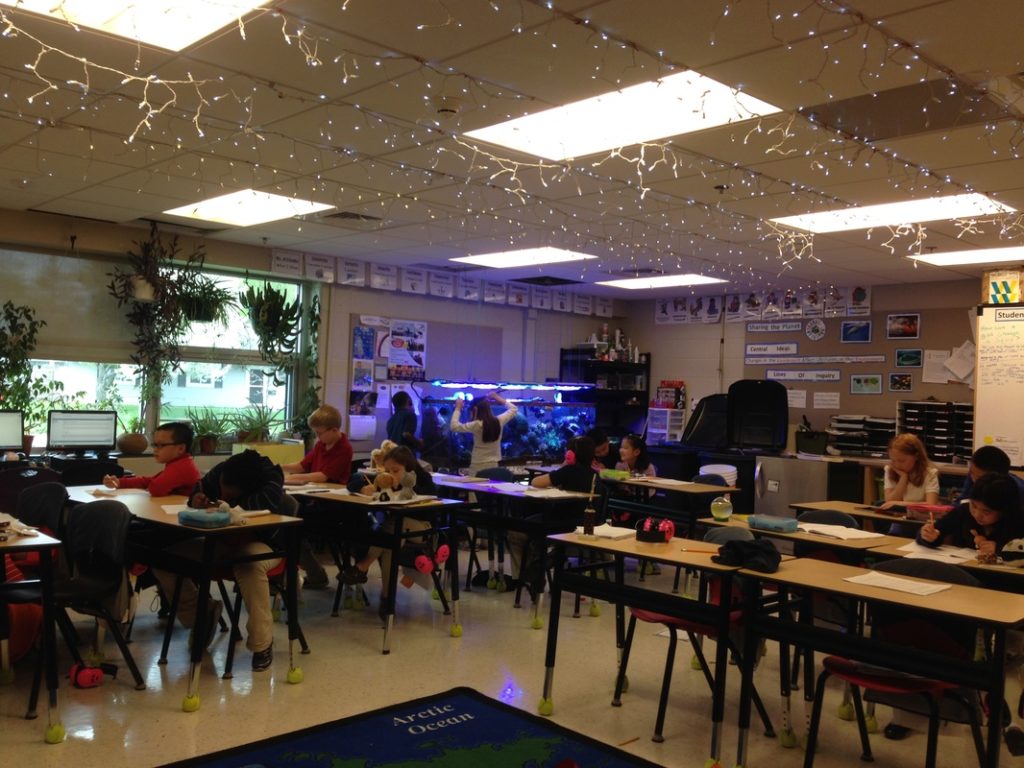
[999, 381]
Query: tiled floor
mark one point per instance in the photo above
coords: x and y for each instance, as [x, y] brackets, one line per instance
[499, 655]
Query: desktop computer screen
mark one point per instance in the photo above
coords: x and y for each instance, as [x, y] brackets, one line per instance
[12, 428]
[81, 431]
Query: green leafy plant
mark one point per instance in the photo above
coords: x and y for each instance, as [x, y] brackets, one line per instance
[276, 321]
[203, 299]
[20, 389]
[255, 422]
[207, 422]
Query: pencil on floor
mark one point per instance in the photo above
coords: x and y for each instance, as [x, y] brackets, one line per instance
[628, 741]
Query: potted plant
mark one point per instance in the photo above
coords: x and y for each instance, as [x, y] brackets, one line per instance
[133, 440]
[253, 424]
[203, 299]
[209, 425]
[276, 322]
[20, 389]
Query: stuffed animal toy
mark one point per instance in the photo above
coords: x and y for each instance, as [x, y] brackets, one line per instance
[388, 491]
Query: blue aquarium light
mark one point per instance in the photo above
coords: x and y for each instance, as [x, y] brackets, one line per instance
[511, 386]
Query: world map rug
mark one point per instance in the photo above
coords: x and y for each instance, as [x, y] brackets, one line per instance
[460, 728]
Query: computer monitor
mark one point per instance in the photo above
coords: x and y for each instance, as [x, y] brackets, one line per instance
[12, 429]
[81, 431]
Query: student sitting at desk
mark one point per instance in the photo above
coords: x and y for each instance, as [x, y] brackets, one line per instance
[989, 459]
[990, 519]
[396, 464]
[633, 457]
[602, 448]
[172, 447]
[910, 475]
[252, 482]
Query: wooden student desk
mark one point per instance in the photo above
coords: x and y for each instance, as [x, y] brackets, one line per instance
[44, 545]
[686, 553]
[818, 540]
[517, 502]
[1001, 576]
[859, 511]
[150, 508]
[437, 511]
[990, 609]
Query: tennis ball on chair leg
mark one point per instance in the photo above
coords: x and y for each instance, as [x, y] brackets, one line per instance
[191, 703]
[54, 733]
[295, 675]
[546, 707]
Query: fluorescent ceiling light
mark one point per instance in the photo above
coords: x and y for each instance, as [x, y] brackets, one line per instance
[661, 281]
[680, 103]
[527, 257]
[247, 207]
[973, 257]
[895, 214]
[170, 24]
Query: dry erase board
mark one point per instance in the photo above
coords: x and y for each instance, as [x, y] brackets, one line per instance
[999, 379]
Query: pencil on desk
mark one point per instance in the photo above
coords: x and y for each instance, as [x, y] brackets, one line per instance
[698, 549]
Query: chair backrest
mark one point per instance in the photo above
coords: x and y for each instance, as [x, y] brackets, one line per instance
[709, 479]
[828, 517]
[722, 535]
[951, 636]
[96, 532]
[14, 481]
[501, 474]
[289, 505]
[42, 506]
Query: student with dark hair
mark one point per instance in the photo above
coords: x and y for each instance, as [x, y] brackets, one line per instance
[602, 448]
[485, 428]
[990, 519]
[634, 457]
[401, 427]
[987, 460]
[172, 447]
[252, 482]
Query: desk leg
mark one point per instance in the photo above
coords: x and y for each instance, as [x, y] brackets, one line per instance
[452, 567]
[291, 598]
[538, 597]
[721, 667]
[54, 727]
[392, 579]
[997, 692]
[547, 705]
[199, 628]
[620, 609]
[787, 737]
[751, 641]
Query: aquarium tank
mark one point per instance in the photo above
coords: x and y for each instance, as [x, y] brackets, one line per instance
[539, 431]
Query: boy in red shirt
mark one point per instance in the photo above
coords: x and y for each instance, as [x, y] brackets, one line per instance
[330, 461]
[172, 447]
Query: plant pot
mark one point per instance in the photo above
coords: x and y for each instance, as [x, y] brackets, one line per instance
[198, 311]
[132, 442]
[142, 289]
[250, 437]
[208, 444]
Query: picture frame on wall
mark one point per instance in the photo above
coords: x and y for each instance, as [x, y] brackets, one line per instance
[865, 383]
[901, 382]
[903, 326]
[909, 358]
[855, 332]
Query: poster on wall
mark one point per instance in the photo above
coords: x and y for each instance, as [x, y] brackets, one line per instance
[363, 342]
[752, 307]
[561, 301]
[286, 263]
[414, 281]
[791, 305]
[384, 277]
[582, 305]
[407, 350]
[603, 306]
[352, 273]
[662, 315]
[320, 267]
[362, 375]
[468, 288]
[494, 292]
[734, 308]
[441, 285]
[540, 298]
[713, 312]
[518, 295]
[1004, 286]
[835, 302]
[771, 308]
[811, 303]
[860, 301]
[696, 309]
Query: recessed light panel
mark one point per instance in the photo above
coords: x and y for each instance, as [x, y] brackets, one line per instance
[662, 281]
[973, 257]
[527, 257]
[247, 207]
[680, 103]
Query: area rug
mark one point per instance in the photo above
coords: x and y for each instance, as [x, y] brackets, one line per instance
[460, 728]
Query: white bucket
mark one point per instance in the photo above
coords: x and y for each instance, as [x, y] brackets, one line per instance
[726, 471]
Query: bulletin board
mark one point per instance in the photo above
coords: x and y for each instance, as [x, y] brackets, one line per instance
[849, 386]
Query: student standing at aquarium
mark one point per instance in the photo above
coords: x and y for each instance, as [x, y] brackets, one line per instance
[485, 428]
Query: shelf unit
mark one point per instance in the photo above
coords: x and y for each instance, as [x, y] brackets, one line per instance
[947, 429]
[665, 425]
[621, 390]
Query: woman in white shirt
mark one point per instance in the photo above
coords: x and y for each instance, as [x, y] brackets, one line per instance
[485, 428]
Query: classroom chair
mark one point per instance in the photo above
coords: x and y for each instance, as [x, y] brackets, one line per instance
[693, 630]
[902, 626]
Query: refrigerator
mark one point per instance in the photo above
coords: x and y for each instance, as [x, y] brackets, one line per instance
[779, 482]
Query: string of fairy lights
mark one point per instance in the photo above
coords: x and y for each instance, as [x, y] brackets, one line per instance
[218, 129]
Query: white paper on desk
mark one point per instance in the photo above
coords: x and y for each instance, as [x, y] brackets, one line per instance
[605, 531]
[876, 579]
[339, 492]
[458, 478]
[507, 487]
[173, 509]
[944, 553]
[837, 531]
[18, 527]
[405, 502]
[546, 493]
[662, 480]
